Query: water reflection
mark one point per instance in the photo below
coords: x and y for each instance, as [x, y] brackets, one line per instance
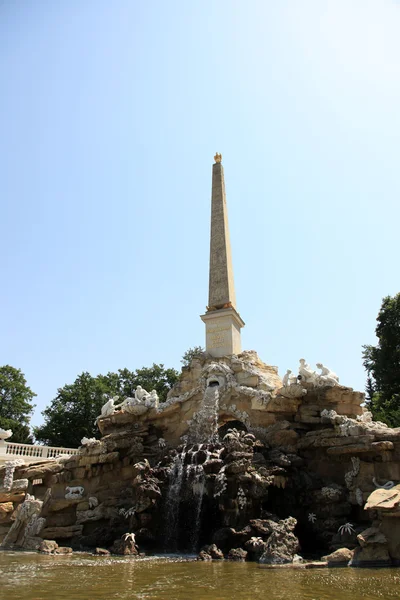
[79, 577]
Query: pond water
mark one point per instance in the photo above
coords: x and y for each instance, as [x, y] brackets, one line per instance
[30, 576]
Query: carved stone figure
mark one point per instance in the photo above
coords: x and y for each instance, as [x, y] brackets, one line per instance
[93, 502]
[140, 394]
[89, 441]
[326, 377]
[307, 375]
[108, 408]
[285, 380]
[74, 492]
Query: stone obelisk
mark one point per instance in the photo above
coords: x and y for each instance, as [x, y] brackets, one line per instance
[223, 322]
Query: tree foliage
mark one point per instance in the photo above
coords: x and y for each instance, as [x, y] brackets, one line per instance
[382, 363]
[72, 413]
[190, 354]
[15, 404]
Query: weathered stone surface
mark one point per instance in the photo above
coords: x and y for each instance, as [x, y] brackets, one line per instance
[203, 555]
[57, 533]
[40, 470]
[124, 546]
[17, 492]
[237, 554]
[48, 546]
[374, 548]
[282, 544]
[102, 552]
[384, 499]
[372, 535]
[63, 550]
[96, 514]
[214, 552]
[375, 554]
[6, 510]
[342, 556]
[98, 459]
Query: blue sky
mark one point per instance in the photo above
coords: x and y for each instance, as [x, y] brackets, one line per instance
[110, 115]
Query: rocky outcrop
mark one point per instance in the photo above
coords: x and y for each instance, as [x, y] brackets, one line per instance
[235, 457]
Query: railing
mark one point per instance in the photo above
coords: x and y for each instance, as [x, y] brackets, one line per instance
[33, 452]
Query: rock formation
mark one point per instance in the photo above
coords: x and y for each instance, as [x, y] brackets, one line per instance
[236, 462]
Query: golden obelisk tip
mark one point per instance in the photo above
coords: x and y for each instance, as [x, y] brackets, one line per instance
[218, 157]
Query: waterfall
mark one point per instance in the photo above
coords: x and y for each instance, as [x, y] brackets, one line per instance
[176, 477]
[187, 478]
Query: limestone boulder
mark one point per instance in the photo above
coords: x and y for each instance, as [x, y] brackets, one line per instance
[282, 544]
[374, 548]
[340, 557]
[203, 555]
[381, 499]
[63, 550]
[125, 546]
[16, 493]
[237, 554]
[102, 552]
[48, 546]
[6, 510]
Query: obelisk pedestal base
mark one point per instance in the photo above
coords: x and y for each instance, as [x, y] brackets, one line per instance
[223, 332]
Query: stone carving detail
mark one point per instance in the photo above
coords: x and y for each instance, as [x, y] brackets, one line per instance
[354, 471]
[386, 486]
[138, 405]
[107, 409]
[74, 492]
[325, 378]
[93, 502]
[306, 374]
[346, 528]
[89, 442]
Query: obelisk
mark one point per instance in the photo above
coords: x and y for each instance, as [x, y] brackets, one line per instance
[223, 322]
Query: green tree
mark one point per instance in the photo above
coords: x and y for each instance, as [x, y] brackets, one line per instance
[382, 363]
[190, 354]
[15, 404]
[73, 412]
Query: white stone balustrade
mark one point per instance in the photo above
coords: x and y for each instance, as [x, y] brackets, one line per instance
[31, 453]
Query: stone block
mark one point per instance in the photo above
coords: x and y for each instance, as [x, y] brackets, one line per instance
[17, 492]
[56, 533]
[340, 557]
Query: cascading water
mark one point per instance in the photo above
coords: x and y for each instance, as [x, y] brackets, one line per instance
[187, 476]
[176, 477]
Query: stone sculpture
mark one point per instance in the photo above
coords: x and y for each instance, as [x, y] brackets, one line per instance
[346, 528]
[74, 492]
[306, 374]
[140, 394]
[326, 377]
[386, 486]
[285, 380]
[107, 409]
[89, 441]
[93, 502]
[312, 517]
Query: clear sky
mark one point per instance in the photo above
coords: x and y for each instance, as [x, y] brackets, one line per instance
[110, 115]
